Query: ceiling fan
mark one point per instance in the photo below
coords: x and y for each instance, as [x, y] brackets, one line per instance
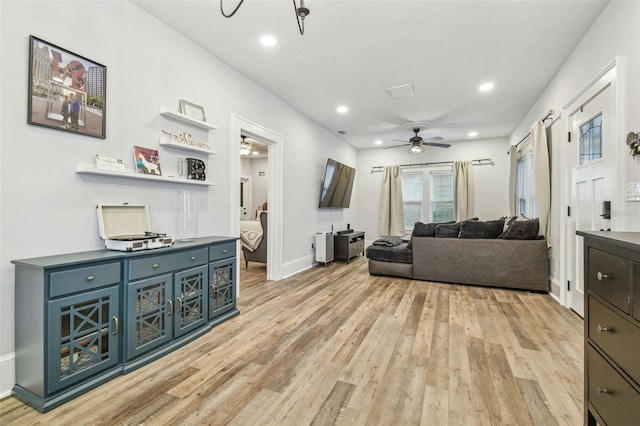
[417, 143]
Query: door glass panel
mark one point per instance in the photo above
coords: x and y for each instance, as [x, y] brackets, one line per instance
[84, 340]
[150, 313]
[591, 140]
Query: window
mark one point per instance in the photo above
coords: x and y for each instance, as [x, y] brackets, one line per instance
[441, 196]
[438, 191]
[525, 183]
[411, 197]
[591, 140]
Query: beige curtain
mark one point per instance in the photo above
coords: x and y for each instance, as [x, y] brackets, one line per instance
[513, 168]
[391, 219]
[463, 195]
[541, 178]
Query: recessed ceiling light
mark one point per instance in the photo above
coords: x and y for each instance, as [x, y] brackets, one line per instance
[485, 87]
[473, 134]
[378, 142]
[342, 109]
[268, 40]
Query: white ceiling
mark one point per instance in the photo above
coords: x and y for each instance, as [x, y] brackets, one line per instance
[353, 50]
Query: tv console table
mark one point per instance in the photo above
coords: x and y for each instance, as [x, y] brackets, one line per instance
[85, 318]
[347, 246]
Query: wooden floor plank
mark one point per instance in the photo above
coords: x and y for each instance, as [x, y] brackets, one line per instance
[334, 345]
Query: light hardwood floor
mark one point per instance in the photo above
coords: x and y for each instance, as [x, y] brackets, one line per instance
[333, 345]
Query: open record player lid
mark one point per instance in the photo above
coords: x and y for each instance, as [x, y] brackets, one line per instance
[120, 220]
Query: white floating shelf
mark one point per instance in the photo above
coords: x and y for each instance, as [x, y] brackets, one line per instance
[186, 119]
[90, 169]
[165, 142]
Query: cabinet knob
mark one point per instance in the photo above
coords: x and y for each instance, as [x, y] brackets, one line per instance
[91, 278]
[602, 276]
[602, 329]
[155, 265]
[602, 390]
[193, 258]
[224, 251]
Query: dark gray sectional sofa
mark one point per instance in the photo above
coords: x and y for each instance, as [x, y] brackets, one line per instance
[496, 262]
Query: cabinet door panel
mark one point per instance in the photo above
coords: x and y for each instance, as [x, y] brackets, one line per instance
[222, 288]
[149, 305]
[190, 298]
[83, 336]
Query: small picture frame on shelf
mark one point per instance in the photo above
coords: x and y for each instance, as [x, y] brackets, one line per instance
[192, 110]
[147, 160]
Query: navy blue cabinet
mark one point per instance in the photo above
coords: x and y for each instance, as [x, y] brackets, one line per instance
[84, 318]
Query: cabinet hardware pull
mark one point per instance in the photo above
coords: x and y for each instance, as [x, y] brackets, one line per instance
[602, 329]
[155, 265]
[91, 278]
[224, 251]
[602, 390]
[602, 276]
[179, 304]
[117, 326]
[170, 307]
[193, 258]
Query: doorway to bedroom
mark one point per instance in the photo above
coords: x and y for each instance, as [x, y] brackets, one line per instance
[254, 195]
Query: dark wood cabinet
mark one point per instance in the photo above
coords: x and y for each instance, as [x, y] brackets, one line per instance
[611, 328]
[347, 246]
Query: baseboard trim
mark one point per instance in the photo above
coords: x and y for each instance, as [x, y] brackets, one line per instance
[7, 374]
[555, 289]
[295, 266]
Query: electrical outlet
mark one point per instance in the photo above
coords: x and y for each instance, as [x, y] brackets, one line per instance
[313, 246]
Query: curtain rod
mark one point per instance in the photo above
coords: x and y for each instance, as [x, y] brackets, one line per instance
[479, 162]
[546, 117]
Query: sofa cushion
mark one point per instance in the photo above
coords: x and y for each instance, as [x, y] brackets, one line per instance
[399, 254]
[424, 230]
[448, 230]
[521, 230]
[479, 229]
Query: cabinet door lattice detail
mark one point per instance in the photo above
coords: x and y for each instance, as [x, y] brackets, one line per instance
[190, 291]
[221, 287]
[83, 333]
[149, 314]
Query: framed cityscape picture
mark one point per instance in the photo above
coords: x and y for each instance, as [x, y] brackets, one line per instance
[66, 91]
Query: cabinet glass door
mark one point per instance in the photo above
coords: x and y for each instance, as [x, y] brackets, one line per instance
[222, 289]
[83, 336]
[190, 298]
[150, 306]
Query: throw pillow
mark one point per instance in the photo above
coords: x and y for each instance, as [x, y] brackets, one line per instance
[478, 229]
[522, 230]
[423, 230]
[448, 230]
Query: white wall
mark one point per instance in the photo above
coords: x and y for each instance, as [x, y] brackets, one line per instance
[490, 181]
[607, 39]
[149, 65]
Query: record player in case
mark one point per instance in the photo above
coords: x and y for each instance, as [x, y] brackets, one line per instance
[126, 227]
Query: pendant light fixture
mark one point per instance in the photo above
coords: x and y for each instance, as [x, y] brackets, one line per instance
[245, 147]
[301, 12]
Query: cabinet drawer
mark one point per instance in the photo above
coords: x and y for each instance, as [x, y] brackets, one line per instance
[609, 277]
[82, 279]
[222, 251]
[154, 265]
[610, 394]
[616, 336]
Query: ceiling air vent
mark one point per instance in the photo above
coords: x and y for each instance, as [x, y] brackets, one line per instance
[399, 92]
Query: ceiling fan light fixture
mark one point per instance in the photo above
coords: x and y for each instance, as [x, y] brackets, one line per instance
[416, 148]
[245, 147]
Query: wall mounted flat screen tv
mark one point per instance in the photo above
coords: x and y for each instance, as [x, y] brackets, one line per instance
[337, 185]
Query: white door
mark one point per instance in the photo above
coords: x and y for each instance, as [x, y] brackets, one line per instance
[245, 198]
[592, 157]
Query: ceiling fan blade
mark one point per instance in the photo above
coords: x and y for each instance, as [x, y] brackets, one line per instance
[399, 140]
[439, 145]
[395, 146]
[433, 139]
